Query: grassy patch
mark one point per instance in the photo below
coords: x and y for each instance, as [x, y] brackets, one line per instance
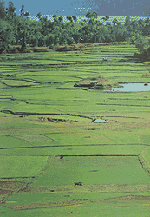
[12, 142]
[54, 148]
[54, 113]
[145, 159]
[106, 170]
[16, 166]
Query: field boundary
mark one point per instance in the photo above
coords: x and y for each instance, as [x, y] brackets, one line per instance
[144, 160]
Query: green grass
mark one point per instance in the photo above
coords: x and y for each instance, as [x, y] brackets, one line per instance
[52, 95]
[12, 142]
[85, 210]
[24, 166]
[40, 197]
[73, 150]
[109, 170]
[145, 159]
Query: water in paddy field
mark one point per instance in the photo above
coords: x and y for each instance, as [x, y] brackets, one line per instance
[132, 87]
[99, 121]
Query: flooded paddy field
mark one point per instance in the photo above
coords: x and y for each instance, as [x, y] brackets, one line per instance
[56, 158]
[132, 87]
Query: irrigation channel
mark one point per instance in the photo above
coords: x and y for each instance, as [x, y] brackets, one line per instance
[72, 141]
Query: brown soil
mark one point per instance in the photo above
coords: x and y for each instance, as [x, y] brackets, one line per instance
[128, 199]
[12, 185]
[8, 187]
[64, 203]
[37, 190]
[88, 188]
[78, 202]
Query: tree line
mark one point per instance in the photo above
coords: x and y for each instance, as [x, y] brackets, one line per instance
[16, 30]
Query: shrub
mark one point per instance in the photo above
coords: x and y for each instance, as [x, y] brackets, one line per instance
[51, 46]
[41, 49]
[145, 54]
[142, 44]
[27, 46]
[136, 55]
[26, 51]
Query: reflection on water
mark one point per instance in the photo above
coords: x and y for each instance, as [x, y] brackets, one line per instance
[132, 87]
[99, 121]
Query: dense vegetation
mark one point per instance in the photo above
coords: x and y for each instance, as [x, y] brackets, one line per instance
[20, 29]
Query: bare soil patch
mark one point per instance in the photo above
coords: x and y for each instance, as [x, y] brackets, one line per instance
[64, 203]
[129, 199]
[124, 188]
[8, 187]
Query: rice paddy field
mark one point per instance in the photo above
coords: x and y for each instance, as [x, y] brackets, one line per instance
[54, 159]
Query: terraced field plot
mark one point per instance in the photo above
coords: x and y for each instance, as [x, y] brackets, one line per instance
[103, 184]
[55, 160]
[16, 166]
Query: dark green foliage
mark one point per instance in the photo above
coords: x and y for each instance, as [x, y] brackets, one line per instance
[10, 12]
[145, 54]
[6, 35]
[60, 19]
[74, 18]
[94, 15]
[70, 19]
[105, 18]
[2, 10]
[19, 29]
[89, 15]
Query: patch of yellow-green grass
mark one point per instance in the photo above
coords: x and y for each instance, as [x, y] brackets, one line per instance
[2, 85]
[21, 166]
[7, 103]
[93, 170]
[73, 150]
[38, 199]
[7, 72]
[67, 85]
[3, 96]
[66, 72]
[145, 158]
[122, 137]
[15, 83]
[145, 139]
[24, 108]
[113, 67]
[126, 102]
[33, 62]
[7, 115]
[54, 78]
[37, 140]
[36, 137]
[80, 139]
[12, 142]
[122, 205]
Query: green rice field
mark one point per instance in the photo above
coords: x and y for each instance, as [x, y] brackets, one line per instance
[54, 159]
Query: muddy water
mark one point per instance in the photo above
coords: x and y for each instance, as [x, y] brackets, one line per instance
[131, 87]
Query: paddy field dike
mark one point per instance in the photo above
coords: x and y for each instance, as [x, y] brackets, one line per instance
[69, 147]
